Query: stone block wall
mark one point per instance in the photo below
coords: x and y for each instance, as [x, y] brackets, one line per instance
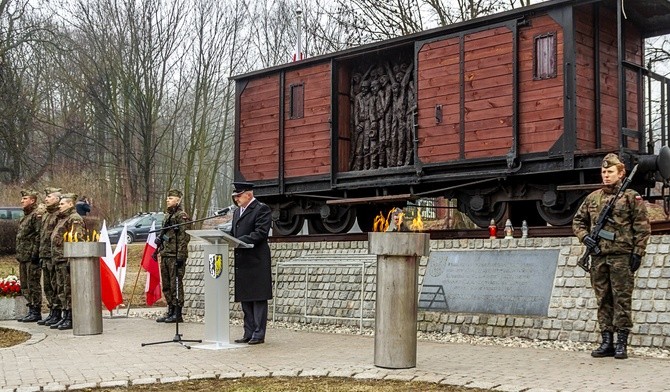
[335, 292]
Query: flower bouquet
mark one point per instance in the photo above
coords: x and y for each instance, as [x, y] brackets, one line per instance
[10, 286]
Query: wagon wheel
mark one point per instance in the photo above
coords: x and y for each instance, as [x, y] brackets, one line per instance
[340, 222]
[483, 218]
[558, 215]
[291, 226]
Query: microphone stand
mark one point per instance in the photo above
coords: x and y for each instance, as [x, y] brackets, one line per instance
[177, 337]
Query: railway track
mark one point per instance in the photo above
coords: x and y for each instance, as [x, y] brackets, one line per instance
[657, 227]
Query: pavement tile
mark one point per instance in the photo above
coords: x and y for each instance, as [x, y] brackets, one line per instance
[144, 381]
[286, 373]
[400, 377]
[85, 385]
[54, 387]
[114, 384]
[314, 373]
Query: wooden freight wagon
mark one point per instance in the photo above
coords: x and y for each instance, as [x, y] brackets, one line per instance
[509, 114]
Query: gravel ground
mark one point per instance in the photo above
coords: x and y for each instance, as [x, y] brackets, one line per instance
[564, 345]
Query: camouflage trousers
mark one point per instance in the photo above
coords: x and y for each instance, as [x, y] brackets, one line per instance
[63, 288]
[49, 281]
[31, 286]
[169, 271]
[613, 283]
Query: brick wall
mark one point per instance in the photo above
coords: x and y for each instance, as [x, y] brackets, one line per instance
[335, 292]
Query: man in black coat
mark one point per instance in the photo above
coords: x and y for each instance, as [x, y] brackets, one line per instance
[253, 266]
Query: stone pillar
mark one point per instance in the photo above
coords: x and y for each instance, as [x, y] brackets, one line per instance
[398, 256]
[85, 281]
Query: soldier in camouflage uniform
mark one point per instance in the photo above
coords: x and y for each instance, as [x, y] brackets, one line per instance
[613, 270]
[49, 220]
[174, 252]
[27, 253]
[68, 222]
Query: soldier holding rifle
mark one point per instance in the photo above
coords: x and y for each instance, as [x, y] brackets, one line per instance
[616, 241]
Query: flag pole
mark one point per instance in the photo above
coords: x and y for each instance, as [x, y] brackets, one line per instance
[132, 294]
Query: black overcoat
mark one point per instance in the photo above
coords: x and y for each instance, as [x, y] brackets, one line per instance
[253, 266]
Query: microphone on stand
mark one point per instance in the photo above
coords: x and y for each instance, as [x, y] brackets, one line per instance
[226, 210]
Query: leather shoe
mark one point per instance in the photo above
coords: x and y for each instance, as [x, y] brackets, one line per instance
[243, 340]
[256, 341]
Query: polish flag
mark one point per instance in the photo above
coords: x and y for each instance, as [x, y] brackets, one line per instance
[121, 257]
[152, 287]
[110, 291]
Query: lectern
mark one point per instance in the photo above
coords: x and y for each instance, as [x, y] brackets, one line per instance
[217, 292]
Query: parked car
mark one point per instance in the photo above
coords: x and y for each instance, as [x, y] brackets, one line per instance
[138, 226]
[11, 213]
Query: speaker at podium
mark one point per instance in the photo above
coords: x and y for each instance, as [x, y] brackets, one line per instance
[217, 292]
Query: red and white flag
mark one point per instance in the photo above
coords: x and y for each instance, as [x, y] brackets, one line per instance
[153, 286]
[121, 257]
[110, 291]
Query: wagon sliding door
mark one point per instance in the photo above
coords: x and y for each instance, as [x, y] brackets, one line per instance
[465, 97]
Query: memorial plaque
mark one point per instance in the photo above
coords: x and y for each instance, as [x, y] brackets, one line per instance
[516, 281]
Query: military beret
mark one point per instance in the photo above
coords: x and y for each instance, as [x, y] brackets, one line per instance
[241, 186]
[175, 193]
[71, 196]
[610, 160]
[51, 190]
[29, 192]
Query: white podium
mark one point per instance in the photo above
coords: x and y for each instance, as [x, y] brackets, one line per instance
[217, 293]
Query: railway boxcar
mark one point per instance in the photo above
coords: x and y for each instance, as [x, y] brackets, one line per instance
[509, 114]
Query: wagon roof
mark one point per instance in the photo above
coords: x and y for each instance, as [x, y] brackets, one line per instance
[652, 18]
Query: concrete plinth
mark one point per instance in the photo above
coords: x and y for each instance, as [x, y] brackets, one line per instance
[398, 256]
[85, 281]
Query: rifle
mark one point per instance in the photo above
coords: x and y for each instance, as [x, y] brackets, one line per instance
[597, 231]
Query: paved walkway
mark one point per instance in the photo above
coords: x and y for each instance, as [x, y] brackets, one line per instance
[56, 360]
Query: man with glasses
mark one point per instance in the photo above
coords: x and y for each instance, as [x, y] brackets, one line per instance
[253, 271]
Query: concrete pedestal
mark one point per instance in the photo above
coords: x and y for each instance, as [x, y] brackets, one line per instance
[85, 281]
[398, 256]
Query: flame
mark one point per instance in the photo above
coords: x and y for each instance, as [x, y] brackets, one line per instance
[382, 222]
[74, 236]
[417, 222]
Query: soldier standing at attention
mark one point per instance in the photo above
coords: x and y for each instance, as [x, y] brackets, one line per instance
[27, 253]
[174, 252]
[68, 222]
[49, 220]
[613, 270]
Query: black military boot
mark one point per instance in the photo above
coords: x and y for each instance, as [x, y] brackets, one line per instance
[167, 315]
[606, 348]
[58, 316]
[621, 344]
[61, 321]
[67, 321]
[176, 316]
[34, 314]
[44, 321]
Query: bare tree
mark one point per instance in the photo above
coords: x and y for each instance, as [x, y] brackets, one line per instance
[214, 55]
